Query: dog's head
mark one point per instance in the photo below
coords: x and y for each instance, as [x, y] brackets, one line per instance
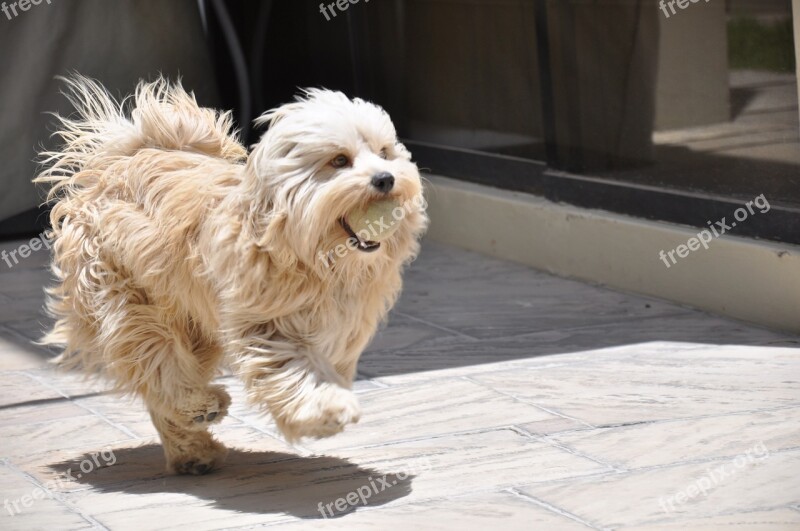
[323, 158]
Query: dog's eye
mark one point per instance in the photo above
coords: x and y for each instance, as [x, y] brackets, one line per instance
[340, 161]
[384, 154]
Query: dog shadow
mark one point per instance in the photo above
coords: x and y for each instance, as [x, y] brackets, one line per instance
[249, 482]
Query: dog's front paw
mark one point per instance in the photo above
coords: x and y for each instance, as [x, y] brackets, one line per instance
[325, 411]
[201, 408]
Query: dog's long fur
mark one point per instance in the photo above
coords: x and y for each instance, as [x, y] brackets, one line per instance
[175, 251]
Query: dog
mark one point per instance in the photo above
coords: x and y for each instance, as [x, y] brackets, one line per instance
[177, 254]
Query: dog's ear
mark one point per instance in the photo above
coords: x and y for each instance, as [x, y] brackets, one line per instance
[402, 151]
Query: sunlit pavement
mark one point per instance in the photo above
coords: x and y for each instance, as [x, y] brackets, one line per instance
[496, 397]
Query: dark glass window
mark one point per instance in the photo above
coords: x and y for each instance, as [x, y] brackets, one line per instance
[674, 111]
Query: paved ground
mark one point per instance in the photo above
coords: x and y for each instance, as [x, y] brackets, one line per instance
[497, 397]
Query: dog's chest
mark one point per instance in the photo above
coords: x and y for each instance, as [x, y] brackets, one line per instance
[347, 322]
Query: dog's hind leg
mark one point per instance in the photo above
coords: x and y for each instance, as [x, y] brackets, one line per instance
[188, 451]
[154, 352]
[182, 414]
[182, 406]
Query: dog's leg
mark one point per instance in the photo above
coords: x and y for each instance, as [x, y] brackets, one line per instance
[151, 353]
[188, 451]
[182, 414]
[183, 405]
[305, 394]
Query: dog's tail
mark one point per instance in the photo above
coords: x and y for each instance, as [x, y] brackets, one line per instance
[159, 115]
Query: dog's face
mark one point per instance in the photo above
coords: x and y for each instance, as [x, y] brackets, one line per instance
[325, 157]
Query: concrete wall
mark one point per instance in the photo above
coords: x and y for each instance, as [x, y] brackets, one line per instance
[745, 279]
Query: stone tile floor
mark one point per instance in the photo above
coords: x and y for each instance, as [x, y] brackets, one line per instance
[496, 397]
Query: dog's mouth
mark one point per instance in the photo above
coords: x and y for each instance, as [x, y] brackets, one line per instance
[363, 246]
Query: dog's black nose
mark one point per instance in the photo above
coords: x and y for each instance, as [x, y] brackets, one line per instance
[384, 182]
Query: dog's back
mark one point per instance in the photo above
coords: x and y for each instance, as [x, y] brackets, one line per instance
[127, 199]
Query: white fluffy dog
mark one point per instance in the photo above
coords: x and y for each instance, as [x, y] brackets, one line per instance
[176, 252]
